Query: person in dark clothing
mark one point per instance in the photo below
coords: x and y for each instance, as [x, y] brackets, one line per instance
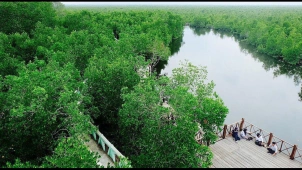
[235, 134]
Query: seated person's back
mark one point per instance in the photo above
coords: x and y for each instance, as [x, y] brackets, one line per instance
[243, 134]
[235, 134]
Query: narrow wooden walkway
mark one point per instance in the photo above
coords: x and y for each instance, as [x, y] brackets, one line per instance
[104, 159]
[245, 154]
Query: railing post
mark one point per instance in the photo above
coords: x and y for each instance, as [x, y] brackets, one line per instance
[241, 124]
[224, 131]
[281, 146]
[292, 156]
[270, 139]
[251, 128]
[106, 148]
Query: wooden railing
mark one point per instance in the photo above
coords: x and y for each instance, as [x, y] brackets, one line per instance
[284, 147]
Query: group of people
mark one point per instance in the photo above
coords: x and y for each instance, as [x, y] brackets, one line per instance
[272, 149]
[243, 134]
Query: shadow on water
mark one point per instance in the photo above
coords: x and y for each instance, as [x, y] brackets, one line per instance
[174, 48]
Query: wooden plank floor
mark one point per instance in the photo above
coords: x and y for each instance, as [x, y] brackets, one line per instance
[245, 154]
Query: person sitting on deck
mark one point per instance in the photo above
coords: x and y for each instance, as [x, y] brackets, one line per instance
[235, 134]
[272, 149]
[259, 140]
[243, 134]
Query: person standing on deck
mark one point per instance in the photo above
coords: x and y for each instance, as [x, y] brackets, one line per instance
[259, 140]
[272, 149]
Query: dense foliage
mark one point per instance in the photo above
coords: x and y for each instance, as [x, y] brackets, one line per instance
[62, 69]
[271, 30]
[23, 16]
[157, 136]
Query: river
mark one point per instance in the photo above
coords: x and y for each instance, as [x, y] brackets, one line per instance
[260, 89]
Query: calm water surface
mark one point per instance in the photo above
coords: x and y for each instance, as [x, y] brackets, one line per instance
[258, 88]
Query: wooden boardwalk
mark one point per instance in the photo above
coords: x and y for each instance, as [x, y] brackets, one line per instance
[245, 154]
[104, 159]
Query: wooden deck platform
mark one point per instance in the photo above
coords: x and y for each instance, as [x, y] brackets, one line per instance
[245, 154]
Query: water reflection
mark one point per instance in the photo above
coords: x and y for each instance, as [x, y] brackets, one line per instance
[278, 66]
[221, 34]
[261, 89]
[174, 48]
[160, 66]
[200, 31]
[175, 45]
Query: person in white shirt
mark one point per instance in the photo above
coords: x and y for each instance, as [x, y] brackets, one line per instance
[272, 149]
[259, 140]
[243, 133]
